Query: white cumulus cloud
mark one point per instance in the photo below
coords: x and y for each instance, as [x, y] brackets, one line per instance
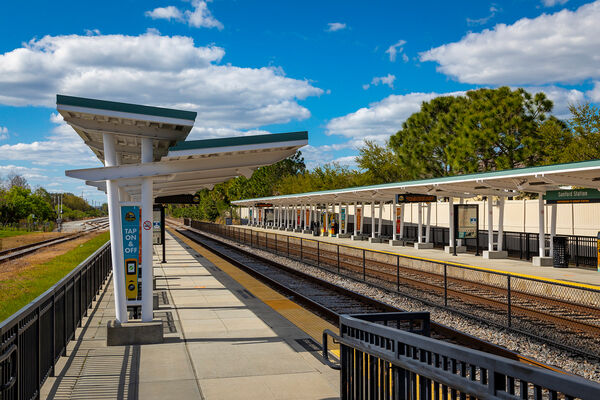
[395, 49]
[155, 70]
[199, 17]
[335, 26]
[3, 133]
[559, 47]
[170, 12]
[382, 80]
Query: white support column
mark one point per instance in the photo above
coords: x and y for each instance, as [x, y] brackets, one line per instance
[402, 221]
[451, 244]
[552, 228]
[428, 225]
[420, 223]
[490, 202]
[394, 214]
[542, 237]
[326, 225]
[501, 223]
[346, 216]
[147, 253]
[424, 244]
[542, 259]
[362, 218]
[340, 219]
[295, 217]
[373, 219]
[380, 218]
[310, 216]
[116, 239]
[355, 218]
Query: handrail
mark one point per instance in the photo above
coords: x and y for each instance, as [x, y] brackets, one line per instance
[481, 374]
[33, 338]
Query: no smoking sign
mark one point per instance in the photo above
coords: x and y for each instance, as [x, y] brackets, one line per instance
[147, 225]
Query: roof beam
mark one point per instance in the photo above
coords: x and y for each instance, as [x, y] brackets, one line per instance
[176, 166]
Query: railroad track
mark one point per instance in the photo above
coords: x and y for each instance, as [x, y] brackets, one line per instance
[330, 300]
[562, 323]
[21, 251]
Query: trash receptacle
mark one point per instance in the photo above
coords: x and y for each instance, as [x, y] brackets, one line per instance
[561, 255]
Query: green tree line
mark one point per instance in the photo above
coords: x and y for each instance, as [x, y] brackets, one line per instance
[482, 130]
[19, 203]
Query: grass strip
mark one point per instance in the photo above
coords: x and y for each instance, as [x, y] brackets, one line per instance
[6, 233]
[30, 283]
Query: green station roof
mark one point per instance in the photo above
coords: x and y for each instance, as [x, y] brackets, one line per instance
[124, 107]
[240, 141]
[537, 179]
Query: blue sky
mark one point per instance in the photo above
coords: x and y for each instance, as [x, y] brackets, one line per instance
[345, 71]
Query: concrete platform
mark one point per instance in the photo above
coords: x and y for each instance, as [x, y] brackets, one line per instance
[585, 276]
[222, 341]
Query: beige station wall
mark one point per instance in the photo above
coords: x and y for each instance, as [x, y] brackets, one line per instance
[519, 216]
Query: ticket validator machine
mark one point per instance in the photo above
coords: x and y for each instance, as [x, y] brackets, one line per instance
[131, 278]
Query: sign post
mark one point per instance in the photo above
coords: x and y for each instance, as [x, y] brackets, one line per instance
[466, 224]
[158, 229]
[130, 222]
[398, 219]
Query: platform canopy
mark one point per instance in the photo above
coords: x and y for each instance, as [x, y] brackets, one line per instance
[91, 118]
[179, 167]
[504, 183]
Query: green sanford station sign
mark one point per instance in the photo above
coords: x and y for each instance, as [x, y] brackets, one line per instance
[572, 196]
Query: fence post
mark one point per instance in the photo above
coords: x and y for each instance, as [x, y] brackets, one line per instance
[445, 285]
[288, 245]
[520, 245]
[527, 255]
[577, 251]
[301, 249]
[364, 267]
[509, 301]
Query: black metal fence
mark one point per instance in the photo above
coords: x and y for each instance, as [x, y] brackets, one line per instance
[565, 314]
[581, 250]
[32, 339]
[380, 362]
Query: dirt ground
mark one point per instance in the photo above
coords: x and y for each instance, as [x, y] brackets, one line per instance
[21, 240]
[9, 269]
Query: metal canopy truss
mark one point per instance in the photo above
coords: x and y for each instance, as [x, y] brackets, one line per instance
[505, 183]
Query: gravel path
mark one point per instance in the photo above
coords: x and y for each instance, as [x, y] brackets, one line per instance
[587, 367]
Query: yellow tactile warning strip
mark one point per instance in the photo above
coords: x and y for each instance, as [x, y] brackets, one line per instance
[307, 321]
[515, 274]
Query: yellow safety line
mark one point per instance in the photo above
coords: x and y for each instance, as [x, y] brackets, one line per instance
[307, 321]
[515, 274]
